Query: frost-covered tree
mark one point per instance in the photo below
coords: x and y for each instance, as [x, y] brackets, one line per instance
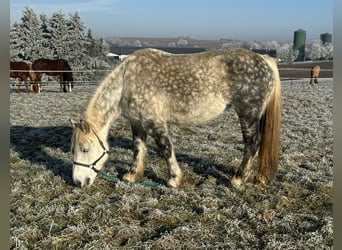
[17, 52]
[283, 52]
[137, 43]
[232, 44]
[56, 37]
[182, 42]
[47, 48]
[327, 51]
[293, 55]
[270, 45]
[78, 54]
[92, 46]
[315, 51]
[26, 38]
[60, 40]
[249, 45]
[115, 41]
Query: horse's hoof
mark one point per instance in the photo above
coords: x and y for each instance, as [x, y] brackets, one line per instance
[262, 180]
[236, 182]
[130, 177]
[175, 182]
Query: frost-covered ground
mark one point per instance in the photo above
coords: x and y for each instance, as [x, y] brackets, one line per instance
[48, 212]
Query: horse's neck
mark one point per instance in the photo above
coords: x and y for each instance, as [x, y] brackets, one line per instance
[104, 107]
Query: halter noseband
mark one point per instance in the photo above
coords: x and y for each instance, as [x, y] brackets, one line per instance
[92, 165]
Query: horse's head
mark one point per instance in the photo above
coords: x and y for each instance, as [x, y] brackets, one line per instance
[89, 153]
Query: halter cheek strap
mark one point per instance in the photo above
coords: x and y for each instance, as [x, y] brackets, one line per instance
[92, 165]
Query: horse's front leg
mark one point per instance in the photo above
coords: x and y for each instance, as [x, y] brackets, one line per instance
[136, 173]
[160, 135]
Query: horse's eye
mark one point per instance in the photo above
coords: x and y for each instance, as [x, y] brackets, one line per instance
[85, 150]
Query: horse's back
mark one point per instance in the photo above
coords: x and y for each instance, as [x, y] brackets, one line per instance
[316, 69]
[193, 88]
[19, 66]
[15, 68]
[43, 63]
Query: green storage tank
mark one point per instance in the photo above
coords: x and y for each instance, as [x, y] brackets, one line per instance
[326, 38]
[299, 43]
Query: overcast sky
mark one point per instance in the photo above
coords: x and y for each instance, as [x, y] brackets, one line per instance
[260, 20]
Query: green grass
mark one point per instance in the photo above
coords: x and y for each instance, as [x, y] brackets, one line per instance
[48, 212]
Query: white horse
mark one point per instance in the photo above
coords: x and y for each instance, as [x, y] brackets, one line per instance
[152, 88]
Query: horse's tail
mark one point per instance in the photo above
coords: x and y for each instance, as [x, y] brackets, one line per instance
[270, 127]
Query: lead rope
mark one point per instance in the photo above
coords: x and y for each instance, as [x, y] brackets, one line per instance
[109, 177]
[116, 180]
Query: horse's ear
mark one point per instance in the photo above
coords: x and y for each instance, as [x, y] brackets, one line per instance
[84, 126]
[73, 123]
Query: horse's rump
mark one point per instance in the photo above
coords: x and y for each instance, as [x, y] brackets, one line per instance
[22, 71]
[19, 70]
[315, 70]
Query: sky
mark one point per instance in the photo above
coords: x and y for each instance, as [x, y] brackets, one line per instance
[248, 20]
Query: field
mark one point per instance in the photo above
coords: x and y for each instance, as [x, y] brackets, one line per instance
[48, 212]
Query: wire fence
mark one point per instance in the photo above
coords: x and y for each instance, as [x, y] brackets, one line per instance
[81, 77]
[94, 77]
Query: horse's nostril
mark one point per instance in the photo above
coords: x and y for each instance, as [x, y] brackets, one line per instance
[77, 183]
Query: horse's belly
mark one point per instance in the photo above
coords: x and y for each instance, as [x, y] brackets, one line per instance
[197, 112]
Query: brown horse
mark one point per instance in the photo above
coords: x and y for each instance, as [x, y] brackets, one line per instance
[21, 70]
[58, 67]
[314, 74]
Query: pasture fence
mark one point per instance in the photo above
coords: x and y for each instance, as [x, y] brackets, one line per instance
[84, 77]
[94, 76]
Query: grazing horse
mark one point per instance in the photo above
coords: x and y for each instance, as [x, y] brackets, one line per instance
[21, 70]
[314, 74]
[152, 89]
[58, 67]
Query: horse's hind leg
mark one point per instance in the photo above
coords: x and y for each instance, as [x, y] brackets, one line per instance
[19, 83]
[27, 86]
[316, 79]
[136, 173]
[251, 139]
[160, 135]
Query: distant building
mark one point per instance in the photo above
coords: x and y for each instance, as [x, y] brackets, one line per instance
[299, 40]
[326, 38]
